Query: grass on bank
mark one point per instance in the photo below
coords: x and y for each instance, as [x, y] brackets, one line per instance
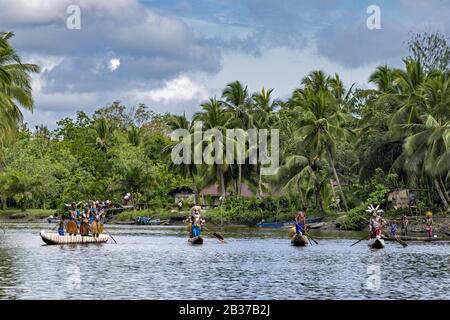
[31, 214]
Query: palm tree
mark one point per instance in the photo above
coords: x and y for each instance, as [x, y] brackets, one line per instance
[134, 135]
[427, 147]
[187, 170]
[15, 87]
[214, 116]
[264, 117]
[103, 134]
[323, 103]
[238, 104]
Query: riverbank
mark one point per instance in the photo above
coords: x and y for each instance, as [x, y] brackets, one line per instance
[213, 217]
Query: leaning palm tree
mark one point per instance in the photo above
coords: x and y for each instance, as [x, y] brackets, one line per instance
[323, 107]
[15, 87]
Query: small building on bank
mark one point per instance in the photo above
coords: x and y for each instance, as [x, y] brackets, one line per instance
[184, 193]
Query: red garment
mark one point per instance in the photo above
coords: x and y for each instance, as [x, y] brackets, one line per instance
[429, 231]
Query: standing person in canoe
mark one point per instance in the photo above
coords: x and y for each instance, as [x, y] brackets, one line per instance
[96, 226]
[376, 224]
[429, 223]
[196, 221]
[84, 226]
[300, 222]
[71, 227]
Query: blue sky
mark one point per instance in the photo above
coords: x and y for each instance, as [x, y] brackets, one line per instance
[172, 55]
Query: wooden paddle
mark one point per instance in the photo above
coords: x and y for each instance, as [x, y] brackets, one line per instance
[403, 243]
[358, 241]
[104, 229]
[307, 234]
[215, 235]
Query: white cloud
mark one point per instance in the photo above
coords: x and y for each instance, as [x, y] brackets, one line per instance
[281, 69]
[181, 88]
[114, 64]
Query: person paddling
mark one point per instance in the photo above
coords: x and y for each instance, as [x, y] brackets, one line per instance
[376, 224]
[196, 221]
[300, 222]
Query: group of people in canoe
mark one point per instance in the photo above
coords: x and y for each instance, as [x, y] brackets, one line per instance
[87, 220]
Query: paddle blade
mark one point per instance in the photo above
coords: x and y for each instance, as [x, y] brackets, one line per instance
[217, 235]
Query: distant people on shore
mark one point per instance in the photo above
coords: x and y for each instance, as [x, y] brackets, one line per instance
[405, 223]
[126, 199]
[393, 228]
[429, 223]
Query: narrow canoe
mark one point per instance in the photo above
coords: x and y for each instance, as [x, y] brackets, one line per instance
[54, 238]
[410, 238]
[376, 243]
[196, 240]
[299, 240]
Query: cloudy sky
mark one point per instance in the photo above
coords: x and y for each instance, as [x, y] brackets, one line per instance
[172, 55]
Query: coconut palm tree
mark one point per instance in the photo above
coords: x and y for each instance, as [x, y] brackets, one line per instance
[214, 116]
[323, 106]
[134, 135]
[15, 87]
[104, 132]
[237, 102]
[264, 117]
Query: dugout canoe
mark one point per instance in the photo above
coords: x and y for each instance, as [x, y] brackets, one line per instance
[55, 238]
[196, 240]
[410, 238]
[376, 243]
[299, 240]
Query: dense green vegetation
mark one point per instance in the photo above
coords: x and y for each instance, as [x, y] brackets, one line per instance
[340, 148]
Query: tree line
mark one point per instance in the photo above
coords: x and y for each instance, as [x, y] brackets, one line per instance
[339, 146]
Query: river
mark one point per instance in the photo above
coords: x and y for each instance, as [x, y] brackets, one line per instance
[158, 263]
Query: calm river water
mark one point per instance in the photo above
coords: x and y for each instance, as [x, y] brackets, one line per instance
[158, 263]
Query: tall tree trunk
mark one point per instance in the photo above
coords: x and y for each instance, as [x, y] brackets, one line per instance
[334, 194]
[194, 186]
[260, 182]
[429, 187]
[222, 181]
[302, 198]
[239, 180]
[336, 177]
[441, 195]
[4, 199]
[444, 191]
[318, 197]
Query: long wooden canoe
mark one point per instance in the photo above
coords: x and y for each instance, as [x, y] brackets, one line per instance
[55, 238]
[196, 240]
[410, 238]
[376, 243]
[299, 240]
